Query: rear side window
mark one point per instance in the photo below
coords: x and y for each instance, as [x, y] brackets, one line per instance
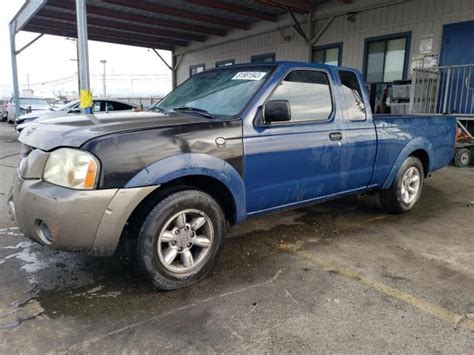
[353, 98]
[308, 93]
[118, 106]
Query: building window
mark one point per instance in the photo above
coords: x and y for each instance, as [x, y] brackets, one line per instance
[386, 58]
[330, 55]
[196, 69]
[225, 63]
[308, 93]
[263, 58]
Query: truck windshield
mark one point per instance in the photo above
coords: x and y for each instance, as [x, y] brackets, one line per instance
[221, 92]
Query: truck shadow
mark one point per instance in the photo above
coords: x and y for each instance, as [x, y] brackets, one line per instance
[92, 287]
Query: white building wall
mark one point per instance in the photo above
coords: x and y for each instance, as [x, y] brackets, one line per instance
[421, 17]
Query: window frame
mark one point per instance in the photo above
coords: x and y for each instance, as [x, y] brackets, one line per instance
[386, 38]
[191, 67]
[260, 56]
[339, 45]
[221, 63]
[260, 123]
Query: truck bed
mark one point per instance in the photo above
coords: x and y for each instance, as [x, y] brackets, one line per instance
[398, 132]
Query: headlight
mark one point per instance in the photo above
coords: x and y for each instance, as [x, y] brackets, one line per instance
[71, 168]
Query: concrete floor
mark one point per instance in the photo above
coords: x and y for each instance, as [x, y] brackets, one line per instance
[341, 277]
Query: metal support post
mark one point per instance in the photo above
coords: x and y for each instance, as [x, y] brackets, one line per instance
[82, 40]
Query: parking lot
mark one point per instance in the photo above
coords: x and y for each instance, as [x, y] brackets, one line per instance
[342, 277]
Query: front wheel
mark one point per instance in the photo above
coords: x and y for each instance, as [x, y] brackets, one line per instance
[405, 191]
[180, 239]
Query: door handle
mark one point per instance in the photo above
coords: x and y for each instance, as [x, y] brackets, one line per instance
[335, 136]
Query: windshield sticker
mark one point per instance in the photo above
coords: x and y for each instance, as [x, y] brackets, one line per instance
[249, 75]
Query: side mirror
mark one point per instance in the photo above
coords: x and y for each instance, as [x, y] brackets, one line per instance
[276, 111]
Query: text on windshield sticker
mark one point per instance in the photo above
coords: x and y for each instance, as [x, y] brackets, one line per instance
[249, 75]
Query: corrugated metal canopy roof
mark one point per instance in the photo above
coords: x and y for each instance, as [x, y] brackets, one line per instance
[161, 24]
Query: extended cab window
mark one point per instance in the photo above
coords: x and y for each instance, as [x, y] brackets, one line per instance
[353, 99]
[308, 93]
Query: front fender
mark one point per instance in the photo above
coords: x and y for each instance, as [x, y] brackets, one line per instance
[182, 165]
[419, 143]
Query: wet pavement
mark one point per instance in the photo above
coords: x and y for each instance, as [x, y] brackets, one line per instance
[342, 276]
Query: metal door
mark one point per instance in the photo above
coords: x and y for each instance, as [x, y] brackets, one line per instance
[456, 69]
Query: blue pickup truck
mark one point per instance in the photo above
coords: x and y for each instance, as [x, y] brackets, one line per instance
[227, 144]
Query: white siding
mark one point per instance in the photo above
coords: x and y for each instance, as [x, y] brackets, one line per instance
[420, 17]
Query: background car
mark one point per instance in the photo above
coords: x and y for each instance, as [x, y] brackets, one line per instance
[34, 105]
[3, 109]
[73, 108]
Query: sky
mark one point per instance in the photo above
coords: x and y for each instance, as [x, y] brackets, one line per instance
[47, 64]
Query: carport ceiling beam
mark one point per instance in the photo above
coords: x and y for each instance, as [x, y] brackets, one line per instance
[94, 37]
[322, 30]
[113, 15]
[28, 10]
[172, 68]
[299, 6]
[180, 13]
[48, 15]
[236, 9]
[102, 31]
[297, 27]
[29, 43]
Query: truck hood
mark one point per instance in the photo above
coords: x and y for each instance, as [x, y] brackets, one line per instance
[74, 131]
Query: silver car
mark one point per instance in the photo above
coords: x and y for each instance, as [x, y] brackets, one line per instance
[28, 105]
[73, 108]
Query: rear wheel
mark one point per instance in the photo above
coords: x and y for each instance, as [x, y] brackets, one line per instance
[405, 191]
[180, 239]
[462, 159]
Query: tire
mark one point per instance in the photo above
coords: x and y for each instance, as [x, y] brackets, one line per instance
[406, 190]
[171, 249]
[462, 158]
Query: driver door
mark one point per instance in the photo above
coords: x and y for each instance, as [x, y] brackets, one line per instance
[291, 162]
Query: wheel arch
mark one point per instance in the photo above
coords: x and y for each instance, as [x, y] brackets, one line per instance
[420, 148]
[189, 171]
[424, 157]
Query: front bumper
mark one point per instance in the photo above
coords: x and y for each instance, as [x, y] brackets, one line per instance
[76, 220]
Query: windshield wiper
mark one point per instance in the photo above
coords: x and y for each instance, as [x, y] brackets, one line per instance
[193, 110]
[158, 109]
